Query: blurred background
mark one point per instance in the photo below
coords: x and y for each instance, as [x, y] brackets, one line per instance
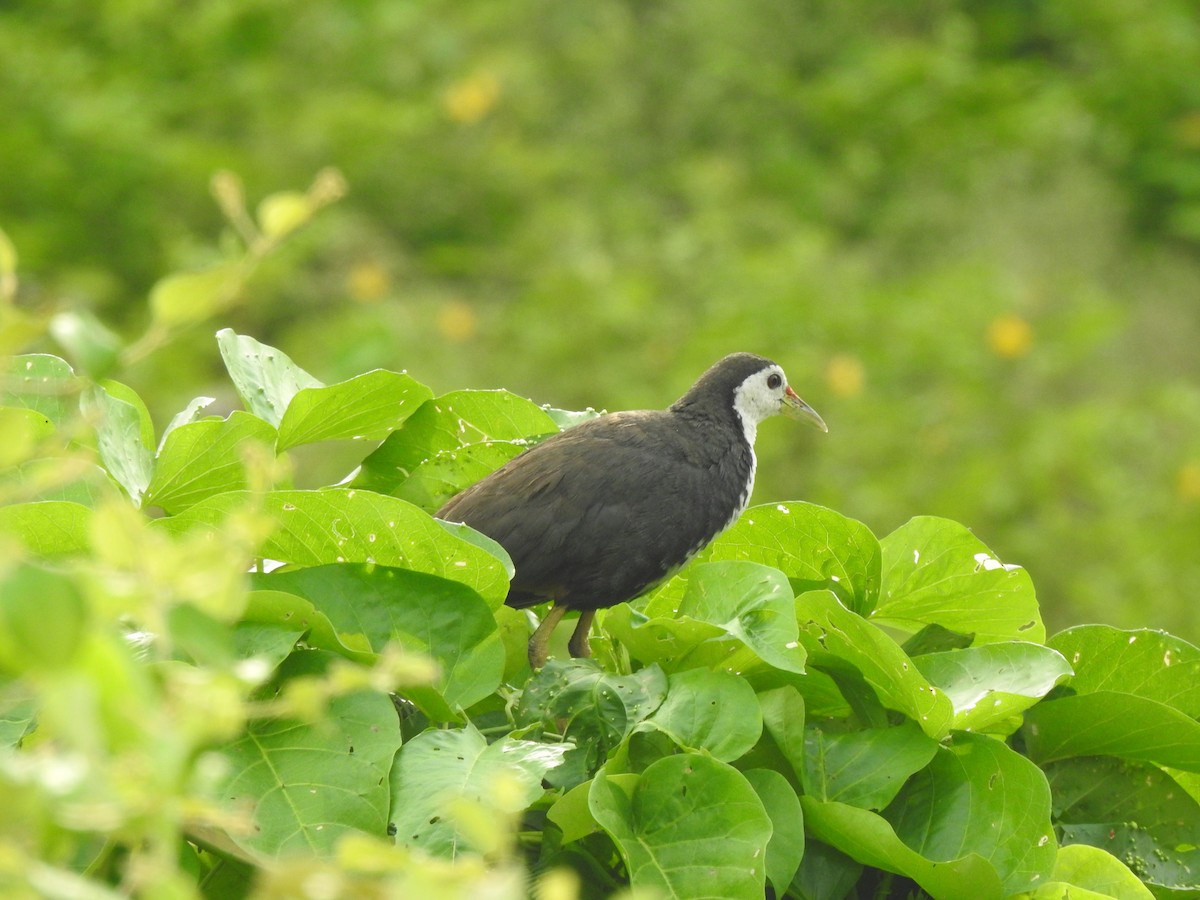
[970, 231]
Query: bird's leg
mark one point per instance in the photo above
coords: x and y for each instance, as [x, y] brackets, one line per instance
[541, 635]
[578, 644]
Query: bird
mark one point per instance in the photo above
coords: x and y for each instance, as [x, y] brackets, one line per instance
[603, 512]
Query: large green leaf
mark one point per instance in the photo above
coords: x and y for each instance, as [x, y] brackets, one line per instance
[306, 785]
[265, 378]
[690, 826]
[449, 786]
[836, 639]
[862, 767]
[48, 527]
[422, 613]
[271, 607]
[447, 423]
[1109, 723]
[367, 407]
[786, 847]
[936, 572]
[1134, 811]
[710, 711]
[1150, 664]
[40, 382]
[337, 525]
[991, 685]
[814, 546]
[202, 459]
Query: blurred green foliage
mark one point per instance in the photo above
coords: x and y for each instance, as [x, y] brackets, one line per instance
[969, 231]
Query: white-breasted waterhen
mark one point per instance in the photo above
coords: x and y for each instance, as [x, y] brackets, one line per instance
[602, 512]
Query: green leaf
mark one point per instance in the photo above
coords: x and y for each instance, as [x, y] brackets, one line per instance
[691, 826]
[1151, 664]
[18, 713]
[330, 526]
[43, 619]
[708, 711]
[786, 847]
[23, 430]
[307, 785]
[868, 838]
[1134, 811]
[449, 787]
[121, 434]
[992, 684]
[447, 423]
[368, 407]
[189, 297]
[936, 572]
[265, 378]
[979, 796]
[1087, 873]
[866, 767]
[423, 613]
[271, 607]
[815, 547]
[48, 527]
[572, 814]
[187, 415]
[40, 382]
[837, 638]
[750, 602]
[974, 822]
[783, 714]
[1107, 723]
[202, 459]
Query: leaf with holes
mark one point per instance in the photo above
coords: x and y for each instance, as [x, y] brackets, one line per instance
[265, 378]
[336, 525]
[936, 572]
[714, 712]
[448, 423]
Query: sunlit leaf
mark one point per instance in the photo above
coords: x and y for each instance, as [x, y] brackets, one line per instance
[265, 378]
[40, 382]
[936, 572]
[202, 459]
[370, 407]
[48, 527]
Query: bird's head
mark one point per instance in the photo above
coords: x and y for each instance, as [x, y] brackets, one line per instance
[757, 388]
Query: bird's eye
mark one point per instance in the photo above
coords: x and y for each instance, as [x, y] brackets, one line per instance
[774, 380]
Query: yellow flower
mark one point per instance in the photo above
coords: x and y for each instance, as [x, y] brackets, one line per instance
[457, 321]
[1188, 481]
[368, 281]
[845, 375]
[1009, 336]
[470, 99]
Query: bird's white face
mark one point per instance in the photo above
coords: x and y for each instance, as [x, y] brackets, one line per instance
[766, 393]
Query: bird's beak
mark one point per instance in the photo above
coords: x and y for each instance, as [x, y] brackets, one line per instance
[795, 408]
